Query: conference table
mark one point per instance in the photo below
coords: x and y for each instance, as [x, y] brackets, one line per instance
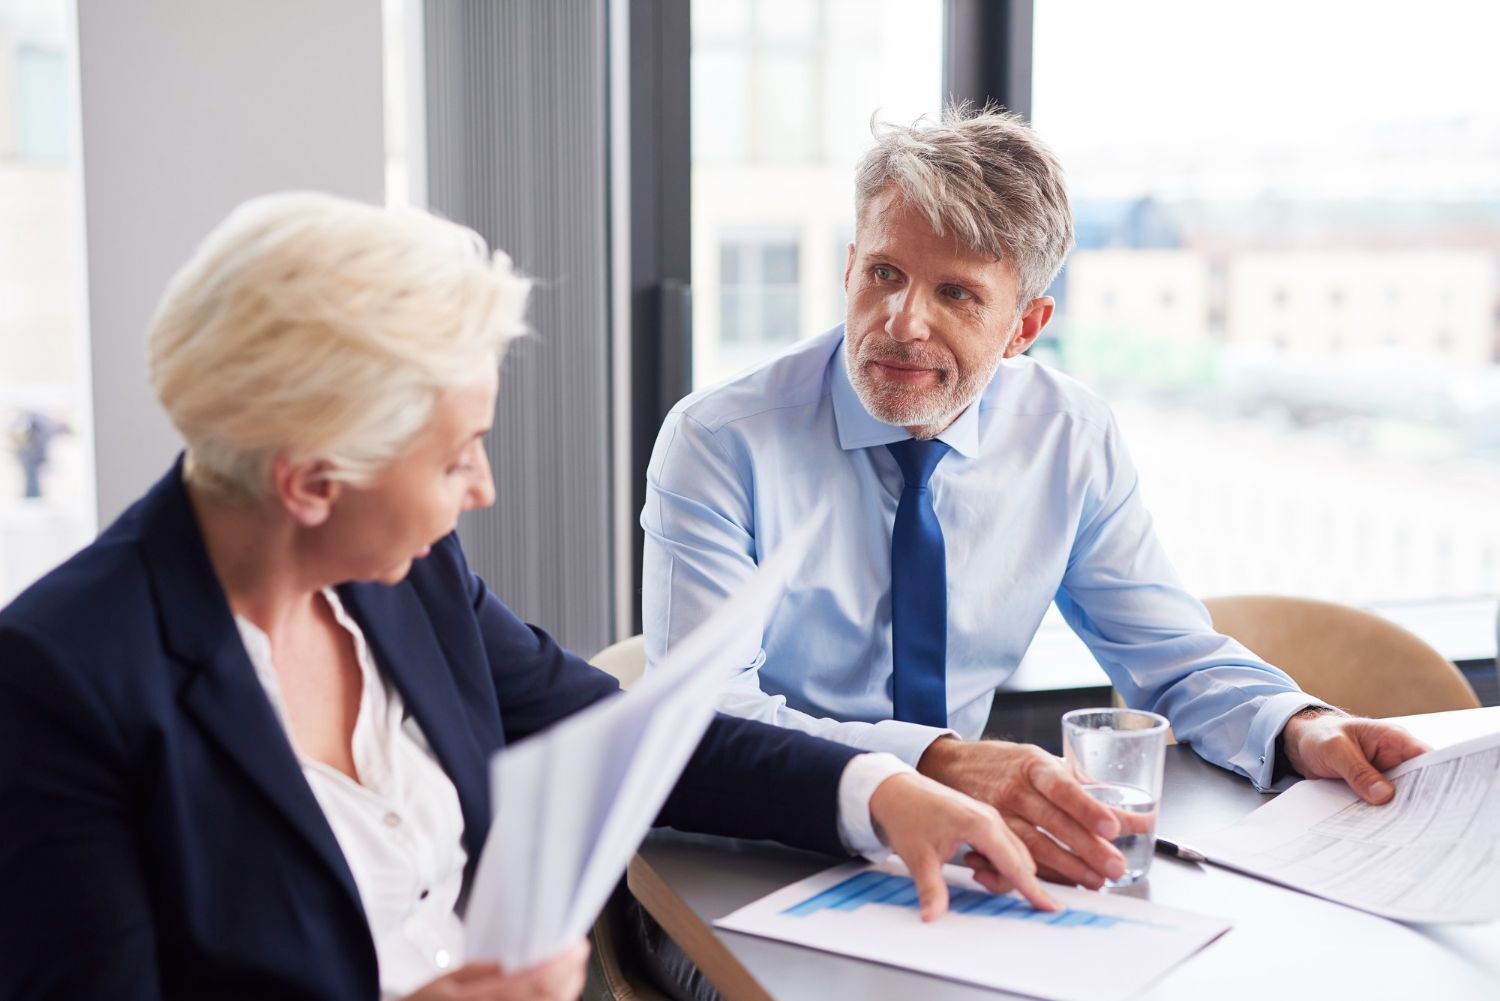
[1283, 944]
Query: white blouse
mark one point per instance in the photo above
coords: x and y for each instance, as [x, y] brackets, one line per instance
[400, 826]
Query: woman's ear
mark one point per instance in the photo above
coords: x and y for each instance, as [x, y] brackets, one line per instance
[305, 490]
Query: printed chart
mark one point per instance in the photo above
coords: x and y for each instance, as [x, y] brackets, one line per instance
[870, 912]
[876, 887]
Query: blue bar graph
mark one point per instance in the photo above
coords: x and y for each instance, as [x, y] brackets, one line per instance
[872, 887]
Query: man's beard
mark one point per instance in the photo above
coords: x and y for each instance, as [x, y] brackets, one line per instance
[912, 406]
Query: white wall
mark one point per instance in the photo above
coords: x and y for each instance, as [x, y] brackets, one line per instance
[188, 108]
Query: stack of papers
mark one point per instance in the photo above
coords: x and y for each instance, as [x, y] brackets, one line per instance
[573, 802]
[1099, 947]
[1432, 854]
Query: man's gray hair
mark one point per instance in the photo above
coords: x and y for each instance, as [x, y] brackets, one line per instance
[983, 176]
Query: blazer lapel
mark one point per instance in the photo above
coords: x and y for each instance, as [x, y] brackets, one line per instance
[407, 650]
[221, 690]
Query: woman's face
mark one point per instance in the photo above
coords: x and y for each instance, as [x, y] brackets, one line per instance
[375, 532]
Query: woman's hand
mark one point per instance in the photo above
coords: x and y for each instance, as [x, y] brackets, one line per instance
[925, 823]
[558, 979]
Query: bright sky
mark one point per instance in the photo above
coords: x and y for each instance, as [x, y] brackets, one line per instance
[1315, 79]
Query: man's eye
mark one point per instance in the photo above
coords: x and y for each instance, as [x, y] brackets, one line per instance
[956, 293]
[884, 273]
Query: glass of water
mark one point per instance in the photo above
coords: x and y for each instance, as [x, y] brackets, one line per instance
[1119, 755]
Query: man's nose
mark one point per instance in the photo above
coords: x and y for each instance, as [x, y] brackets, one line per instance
[910, 315]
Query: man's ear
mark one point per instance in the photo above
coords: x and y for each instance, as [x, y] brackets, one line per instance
[305, 490]
[848, 267]
[1029, 327]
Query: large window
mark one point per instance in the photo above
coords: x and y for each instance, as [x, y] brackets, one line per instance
[46, 455]
[759, 293]
[783, 95]
[1287, 281]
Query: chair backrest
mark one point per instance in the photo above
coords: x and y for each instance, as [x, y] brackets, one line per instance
[1347, 657]
[626, 660]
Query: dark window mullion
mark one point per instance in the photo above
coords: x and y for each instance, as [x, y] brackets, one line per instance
[987, 52]
[661, 235]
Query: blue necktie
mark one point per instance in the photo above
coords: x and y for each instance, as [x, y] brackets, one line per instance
[919, 591]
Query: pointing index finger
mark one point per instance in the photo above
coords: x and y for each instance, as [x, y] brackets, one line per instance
[932, 889]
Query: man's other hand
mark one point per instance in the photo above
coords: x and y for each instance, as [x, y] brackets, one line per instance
[927, 823]
[1330, 745]
[1066, 830]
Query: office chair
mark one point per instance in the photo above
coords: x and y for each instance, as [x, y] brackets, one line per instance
[626, 660]
[1345, 656]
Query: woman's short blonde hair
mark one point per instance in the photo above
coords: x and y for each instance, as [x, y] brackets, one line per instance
[322, 328]
[984, 176]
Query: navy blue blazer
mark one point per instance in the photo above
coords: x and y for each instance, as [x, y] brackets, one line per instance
[157, 838]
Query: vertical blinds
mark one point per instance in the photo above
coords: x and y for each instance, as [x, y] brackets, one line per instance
[516, 148]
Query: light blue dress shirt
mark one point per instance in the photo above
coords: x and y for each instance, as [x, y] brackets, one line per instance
[1039, 502]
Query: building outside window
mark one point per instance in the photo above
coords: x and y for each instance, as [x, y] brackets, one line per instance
[759, 294]
[46, 454]
[1287, 282]
[783, 96]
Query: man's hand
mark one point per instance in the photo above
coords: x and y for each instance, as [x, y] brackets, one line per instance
[926, 823]
[1066, 830]
[1330, 745]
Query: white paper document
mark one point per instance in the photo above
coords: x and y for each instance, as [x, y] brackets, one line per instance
[1432, 854]
[1100, 947]
[572, 803]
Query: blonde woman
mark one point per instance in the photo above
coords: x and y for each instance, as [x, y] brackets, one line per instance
[244, 735]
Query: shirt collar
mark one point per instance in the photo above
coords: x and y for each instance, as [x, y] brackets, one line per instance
[858, 429]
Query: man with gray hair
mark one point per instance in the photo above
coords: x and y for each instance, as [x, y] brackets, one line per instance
[972, 487]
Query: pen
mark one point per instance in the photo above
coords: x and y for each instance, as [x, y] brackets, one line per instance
[1180, 851]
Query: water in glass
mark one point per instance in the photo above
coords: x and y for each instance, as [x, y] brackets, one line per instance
[1136, 810]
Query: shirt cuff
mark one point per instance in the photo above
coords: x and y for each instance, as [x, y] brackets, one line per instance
[1258, 757]
[908, 741]
[861, 776]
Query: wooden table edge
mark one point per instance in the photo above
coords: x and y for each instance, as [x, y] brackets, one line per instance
[691, 934]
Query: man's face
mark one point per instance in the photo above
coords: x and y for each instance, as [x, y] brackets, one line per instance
[929, 318]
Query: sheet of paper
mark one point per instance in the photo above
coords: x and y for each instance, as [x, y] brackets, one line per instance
[572, 803]
[1432, 854]
[1100, 947]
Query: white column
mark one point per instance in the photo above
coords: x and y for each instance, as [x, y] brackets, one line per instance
[188, 108]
